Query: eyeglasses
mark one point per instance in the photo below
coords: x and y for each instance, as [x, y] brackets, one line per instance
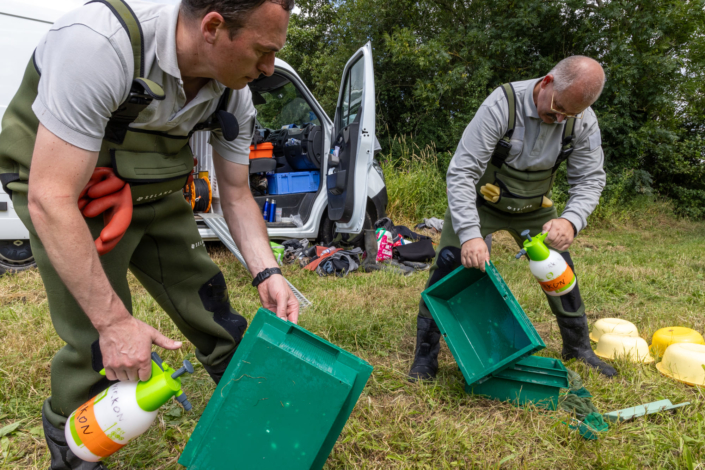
[576, 116]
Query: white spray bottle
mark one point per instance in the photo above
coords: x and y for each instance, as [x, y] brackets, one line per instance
[123, 411]
[547, 266]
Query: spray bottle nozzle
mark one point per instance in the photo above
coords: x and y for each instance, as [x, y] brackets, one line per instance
[184, 401]
[520, 254]
[187, 367]
[526, 234]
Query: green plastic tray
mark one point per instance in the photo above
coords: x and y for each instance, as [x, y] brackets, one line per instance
[281, 404]
[485, 327]
[535, 380]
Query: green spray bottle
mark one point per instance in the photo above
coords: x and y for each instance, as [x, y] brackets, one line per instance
[547, 265]
[111, 419]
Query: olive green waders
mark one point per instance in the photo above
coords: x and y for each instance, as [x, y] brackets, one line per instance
[162, 246]
[163, 249]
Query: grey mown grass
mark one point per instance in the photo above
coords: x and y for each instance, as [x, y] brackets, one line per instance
[637, 263]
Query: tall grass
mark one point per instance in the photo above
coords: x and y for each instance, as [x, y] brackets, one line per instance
[416, 186]
[416, 181]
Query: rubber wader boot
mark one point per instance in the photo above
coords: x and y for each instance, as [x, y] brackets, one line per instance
[61, 456]
[576, 344]
[369, 264]
[428, 343]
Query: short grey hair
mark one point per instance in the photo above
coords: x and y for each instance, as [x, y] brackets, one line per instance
[569, 72]
[234, 12]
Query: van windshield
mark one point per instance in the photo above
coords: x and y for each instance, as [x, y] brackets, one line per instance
[281, 106]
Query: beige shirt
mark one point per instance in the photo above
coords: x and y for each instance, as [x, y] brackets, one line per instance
[86, 67]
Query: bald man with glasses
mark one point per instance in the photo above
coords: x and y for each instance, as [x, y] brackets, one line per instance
[500, 178]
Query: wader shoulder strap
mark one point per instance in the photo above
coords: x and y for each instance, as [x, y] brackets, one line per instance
[566, 143]
[142, 91]
[221, 119]
[501, 150]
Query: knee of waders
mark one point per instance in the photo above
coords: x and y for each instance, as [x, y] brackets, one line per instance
[215, 299]
[448, 258]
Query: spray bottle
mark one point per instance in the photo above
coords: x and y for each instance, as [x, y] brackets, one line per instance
[111, 419]
[547, 266]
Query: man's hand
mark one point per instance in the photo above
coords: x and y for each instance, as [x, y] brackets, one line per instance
[474, 254]
[126, 346]
[560, 234]
[276, 296]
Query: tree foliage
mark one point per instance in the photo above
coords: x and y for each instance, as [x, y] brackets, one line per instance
[437, 60]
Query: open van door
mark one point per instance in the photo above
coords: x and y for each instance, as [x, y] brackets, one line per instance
[353, 138]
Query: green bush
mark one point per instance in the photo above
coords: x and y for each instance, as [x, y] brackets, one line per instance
[435, 61]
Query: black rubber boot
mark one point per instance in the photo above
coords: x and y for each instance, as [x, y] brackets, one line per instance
[428, 343]
[369, 264]
[576, 344]
[62, 458]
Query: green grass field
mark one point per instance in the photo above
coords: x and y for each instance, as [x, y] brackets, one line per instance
[647, 268]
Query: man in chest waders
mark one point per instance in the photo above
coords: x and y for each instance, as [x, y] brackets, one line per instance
[122, 88]
[500, 178]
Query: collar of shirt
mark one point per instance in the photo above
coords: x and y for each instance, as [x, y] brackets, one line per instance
[529, 105]
[167, 58]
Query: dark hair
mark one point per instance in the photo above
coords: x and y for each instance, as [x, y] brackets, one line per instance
[234, 12]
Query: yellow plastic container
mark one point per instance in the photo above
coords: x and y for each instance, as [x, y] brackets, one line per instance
[684, 362]
[613, 346]
[613, 325]
[665, 337]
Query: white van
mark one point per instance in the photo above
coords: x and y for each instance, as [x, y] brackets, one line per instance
[350, 194]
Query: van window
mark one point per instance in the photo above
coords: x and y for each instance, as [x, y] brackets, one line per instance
[352, 93]
[283, 106]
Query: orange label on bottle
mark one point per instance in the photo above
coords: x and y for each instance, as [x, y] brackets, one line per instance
[560, 282]
[91, 434]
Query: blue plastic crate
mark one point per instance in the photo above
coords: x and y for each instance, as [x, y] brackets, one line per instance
[291, 183]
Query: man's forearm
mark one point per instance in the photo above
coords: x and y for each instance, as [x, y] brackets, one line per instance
[72, 253]
[249, 232]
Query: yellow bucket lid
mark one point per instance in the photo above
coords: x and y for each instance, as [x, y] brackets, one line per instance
[665, 337]
[613, 346]
[684, 362]
[612, 325]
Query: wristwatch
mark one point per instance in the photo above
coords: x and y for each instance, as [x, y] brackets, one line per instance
[264, 274]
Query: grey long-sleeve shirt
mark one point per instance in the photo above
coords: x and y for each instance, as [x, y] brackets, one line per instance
[535, 146]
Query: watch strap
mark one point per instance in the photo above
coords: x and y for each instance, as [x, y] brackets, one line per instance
[264, 274]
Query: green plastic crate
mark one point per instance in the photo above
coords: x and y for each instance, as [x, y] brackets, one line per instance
[281, 404]
[485, 327]
[535, 380]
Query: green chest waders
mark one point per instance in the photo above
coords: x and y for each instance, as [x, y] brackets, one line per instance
[520, 192]
[161, 247]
